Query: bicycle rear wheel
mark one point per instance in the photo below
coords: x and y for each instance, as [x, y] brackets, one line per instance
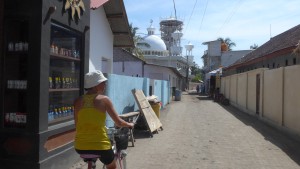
[121, 162]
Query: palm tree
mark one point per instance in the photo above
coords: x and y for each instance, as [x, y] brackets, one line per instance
[228, 42]
[136, 39]
[254, 46]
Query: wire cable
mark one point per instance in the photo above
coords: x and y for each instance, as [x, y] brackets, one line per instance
[190, 16]
[203, 14]
[234, 9]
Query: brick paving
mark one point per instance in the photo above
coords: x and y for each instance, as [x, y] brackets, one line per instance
[199, 133]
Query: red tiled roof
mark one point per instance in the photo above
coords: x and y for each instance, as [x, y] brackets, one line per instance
[287, 39]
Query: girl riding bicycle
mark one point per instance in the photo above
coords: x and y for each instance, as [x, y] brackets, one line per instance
[90, 115]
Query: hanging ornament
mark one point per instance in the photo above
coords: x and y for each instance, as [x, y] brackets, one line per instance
[75, 6]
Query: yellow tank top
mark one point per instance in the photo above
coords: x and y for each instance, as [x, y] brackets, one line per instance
[91, 132]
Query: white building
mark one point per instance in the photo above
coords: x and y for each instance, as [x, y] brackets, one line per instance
[109, 28]
[215, 58]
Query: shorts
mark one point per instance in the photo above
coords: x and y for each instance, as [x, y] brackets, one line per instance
[106, 156]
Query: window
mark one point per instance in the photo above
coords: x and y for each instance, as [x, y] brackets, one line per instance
[65, 69]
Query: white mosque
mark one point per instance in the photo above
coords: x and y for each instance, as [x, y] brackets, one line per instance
[166, 50]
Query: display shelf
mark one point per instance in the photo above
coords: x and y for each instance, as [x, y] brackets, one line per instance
[58, 56]
[17, 53]
[64, 90]
[61, 119]
[64, 73]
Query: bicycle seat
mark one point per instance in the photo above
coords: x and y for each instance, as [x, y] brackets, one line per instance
[89, 156]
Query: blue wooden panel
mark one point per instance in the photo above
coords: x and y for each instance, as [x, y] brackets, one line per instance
[119, 88]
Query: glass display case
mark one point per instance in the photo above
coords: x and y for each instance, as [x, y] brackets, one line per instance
[14, 70]
[64, 74]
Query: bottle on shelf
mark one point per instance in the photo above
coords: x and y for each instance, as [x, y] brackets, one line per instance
[50, 83]
[25, 45]
[52, 48]
[11, 46]
[56, 49]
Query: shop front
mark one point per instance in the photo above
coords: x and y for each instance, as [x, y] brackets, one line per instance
[44, 49]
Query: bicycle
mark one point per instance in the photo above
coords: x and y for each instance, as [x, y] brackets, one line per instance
[119, 140]
[118, 149]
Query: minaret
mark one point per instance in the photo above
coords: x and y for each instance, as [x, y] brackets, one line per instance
[151, 29]
[167, 28]
[176, 48]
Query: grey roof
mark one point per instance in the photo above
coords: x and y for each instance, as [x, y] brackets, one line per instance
[167, 67]
[120, 55]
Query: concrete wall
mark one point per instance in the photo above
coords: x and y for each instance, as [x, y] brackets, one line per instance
[272, 95]
[227, 87]
[101, 43]
[291, 106]
[233, 89]
[128, 68]
[242, 81]
[278, 99]
[119, 89]
[251, 92]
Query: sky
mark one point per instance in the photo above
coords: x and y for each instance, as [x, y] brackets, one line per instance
[245, 22]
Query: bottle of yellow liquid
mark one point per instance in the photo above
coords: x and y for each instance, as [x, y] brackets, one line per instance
[50, 83]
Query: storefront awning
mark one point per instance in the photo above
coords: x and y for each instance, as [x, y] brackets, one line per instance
[118, 21]
[97, 3]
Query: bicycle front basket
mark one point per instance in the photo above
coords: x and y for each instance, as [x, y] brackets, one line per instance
[122, 139]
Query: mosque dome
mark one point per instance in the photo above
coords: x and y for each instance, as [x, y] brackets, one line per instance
[152, 42]
[155, 43]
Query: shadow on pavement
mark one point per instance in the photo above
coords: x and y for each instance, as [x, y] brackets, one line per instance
[192, 93]
[204, 97]
[144, 133]
[282, 140]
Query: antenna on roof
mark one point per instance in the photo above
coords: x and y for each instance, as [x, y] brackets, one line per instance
[175, 9]
[270, 31]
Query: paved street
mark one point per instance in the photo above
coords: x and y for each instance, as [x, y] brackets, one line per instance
[201, 134]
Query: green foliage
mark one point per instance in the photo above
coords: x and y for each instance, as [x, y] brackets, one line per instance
[197, 72]
[197, 78]
[227, 41]
[136, 50]
[254, 46]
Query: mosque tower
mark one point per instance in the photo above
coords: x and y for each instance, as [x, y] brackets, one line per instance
[171, 34]
[151, 29]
